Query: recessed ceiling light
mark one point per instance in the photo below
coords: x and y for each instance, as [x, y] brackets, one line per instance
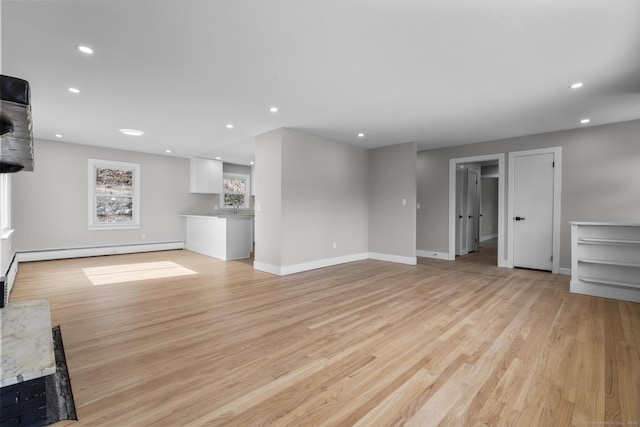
[273, 109]
[74, 90]
[218, 158]
[132, 132]
[58, 135]
[229, 126]
[167, 151]
[252, 163]
[85, 49]
[585, 121]
[576, 85]
[361, 135]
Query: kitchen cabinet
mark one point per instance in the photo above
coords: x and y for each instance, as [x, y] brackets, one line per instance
[605, 260]
[224, 237]
[206, 176]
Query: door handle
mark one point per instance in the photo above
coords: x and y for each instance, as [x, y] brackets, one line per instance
[519, 218]
[470, 216]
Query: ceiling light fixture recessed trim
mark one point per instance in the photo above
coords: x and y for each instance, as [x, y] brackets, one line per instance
[132, 132]
[85, 49]
[273, 109]
[58, 135]
[576, 85]
[361, 135]
[229, 126]
[74, 90]
[585, 121]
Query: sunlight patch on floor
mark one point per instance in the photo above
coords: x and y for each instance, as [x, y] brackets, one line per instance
[132, 272]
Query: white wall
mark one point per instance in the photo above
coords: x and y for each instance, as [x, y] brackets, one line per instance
[392, 179]
[324, 198]
[600, 180]
[268, 200]
[50, 204]
[313, 192]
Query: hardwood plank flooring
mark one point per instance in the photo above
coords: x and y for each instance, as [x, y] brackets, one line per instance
[367, 343]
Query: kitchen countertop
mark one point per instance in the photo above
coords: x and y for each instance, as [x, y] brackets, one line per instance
[26, 342]
[220, 216]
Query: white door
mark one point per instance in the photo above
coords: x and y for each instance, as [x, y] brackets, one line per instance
[533, 211]
[472, 211]
[461, 233]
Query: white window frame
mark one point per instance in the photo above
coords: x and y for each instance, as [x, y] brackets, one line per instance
[247, 189]
[5, 206]
[109, 164]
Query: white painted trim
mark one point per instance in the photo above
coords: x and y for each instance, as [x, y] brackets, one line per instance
[393, 258]
[267, 268]
[247, 190]
[565, 271]
[502, 257]
[6, 233]
[605, 291]
[321, 263]
[329, 262]
[432, 254]
[488, 237]
[96, 251]
[93, 164]
[557, 192]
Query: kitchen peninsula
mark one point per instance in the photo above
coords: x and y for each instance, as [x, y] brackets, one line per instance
[221, 236]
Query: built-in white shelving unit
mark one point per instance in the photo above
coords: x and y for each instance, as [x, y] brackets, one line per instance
[605, 259]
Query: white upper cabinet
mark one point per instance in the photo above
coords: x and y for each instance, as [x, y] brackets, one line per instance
[206, 176]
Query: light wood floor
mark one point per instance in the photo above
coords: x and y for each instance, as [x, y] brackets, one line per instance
[368, 343]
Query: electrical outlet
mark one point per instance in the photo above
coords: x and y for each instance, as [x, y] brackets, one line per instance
[335, 245]
[418, 206]
[144, 236]
[404, 202]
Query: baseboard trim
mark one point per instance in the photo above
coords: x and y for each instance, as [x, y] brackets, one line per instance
[81, 252]
[565, 271]
[605, 291]
[488, 237]
[321, 263]
[267, 268]
[329, 262]
[432, 254]
[393, 258]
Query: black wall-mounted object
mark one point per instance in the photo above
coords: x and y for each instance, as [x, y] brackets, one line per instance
[16, 135]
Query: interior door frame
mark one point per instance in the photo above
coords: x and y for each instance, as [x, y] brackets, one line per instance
[557, 199]
[500, 157]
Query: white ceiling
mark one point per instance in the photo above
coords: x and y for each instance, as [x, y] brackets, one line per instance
[437, 72]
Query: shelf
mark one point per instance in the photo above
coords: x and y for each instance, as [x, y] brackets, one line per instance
[605, 260]
[609, 282]
[601, 241]
[616, 263]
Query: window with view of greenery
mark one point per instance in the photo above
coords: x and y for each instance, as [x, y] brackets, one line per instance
[236, 192]
[113, 194]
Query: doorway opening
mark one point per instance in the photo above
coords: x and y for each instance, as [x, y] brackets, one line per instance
[469, 226]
